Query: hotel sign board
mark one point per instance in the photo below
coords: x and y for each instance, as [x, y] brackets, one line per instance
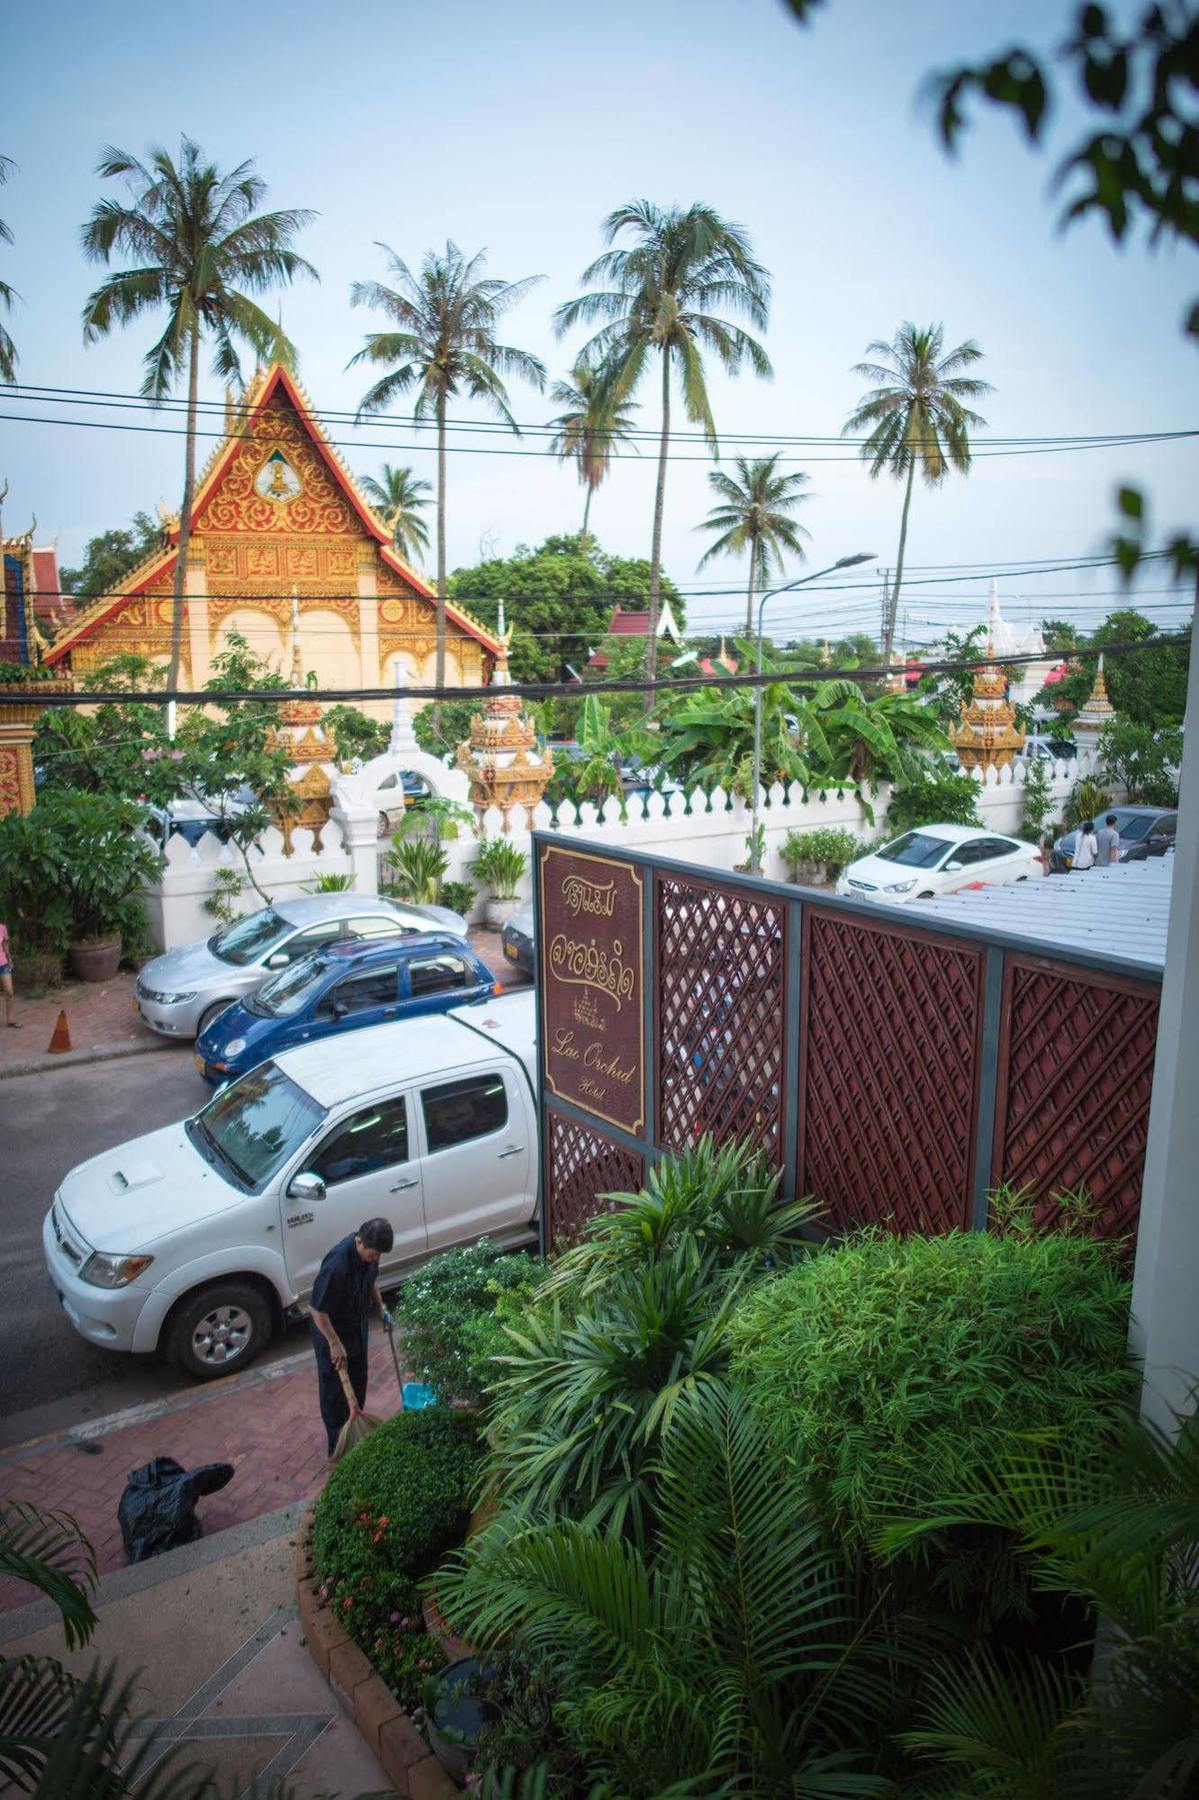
[593, 984]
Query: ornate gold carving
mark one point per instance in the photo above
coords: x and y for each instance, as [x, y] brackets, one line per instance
[986, 735]
[320, 506]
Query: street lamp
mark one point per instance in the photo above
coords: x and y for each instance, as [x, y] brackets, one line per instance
[844, 562]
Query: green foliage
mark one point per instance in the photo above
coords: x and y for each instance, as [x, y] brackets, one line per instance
[933, 797]
[442, 739]
[893, 1371]
[119, 748]
[400, 499]
[108, 558]
[459, 896]
[223, 901]
[753, 517]
[355, 733]
[436, 818]
[947, 689]
[386, 1515]
[419, 865]
[708, 736]
[873, 738]
[559, 599]
[71, 869]
[453, 1312]
[1142, 761]
[1089, 799]
[1038, 801]
[825, 848]
[1147, 686]
[330, 884]
[21, 674]
[589, 429]
[500, 864]
[725, 1652]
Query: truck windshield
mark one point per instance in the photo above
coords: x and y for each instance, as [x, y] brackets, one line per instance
[255, 1124]
[288, 993]
[915, 850]
[247, 939]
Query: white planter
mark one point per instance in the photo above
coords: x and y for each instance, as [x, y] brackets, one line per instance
[498, 912]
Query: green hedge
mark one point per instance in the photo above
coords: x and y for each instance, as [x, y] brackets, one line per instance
[389, 1511]
[889, 1371]
[454, 1312]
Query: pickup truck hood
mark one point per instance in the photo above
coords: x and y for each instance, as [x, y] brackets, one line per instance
[126, 1199]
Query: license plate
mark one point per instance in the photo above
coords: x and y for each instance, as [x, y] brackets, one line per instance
[510, 950]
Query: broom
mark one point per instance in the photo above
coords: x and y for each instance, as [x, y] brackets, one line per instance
[359, 1425]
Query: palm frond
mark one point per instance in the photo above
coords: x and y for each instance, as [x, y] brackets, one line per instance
[49, 1552]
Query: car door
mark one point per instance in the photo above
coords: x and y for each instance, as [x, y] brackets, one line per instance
[368, 1165]
[370, 997]
[437, 979]
[302, 944]
[961, 865]
[1162, 834]
[1000, 861]
[476, 1155]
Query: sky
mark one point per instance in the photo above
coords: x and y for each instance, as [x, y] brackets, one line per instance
[517, 129]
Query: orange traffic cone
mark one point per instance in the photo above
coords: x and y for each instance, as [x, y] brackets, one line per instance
[62, 1033]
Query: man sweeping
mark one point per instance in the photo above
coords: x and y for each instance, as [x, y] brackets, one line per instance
[345, 1291]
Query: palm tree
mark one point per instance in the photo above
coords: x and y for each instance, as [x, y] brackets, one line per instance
[915, 415]
[8, 350]
[399, 499]
[591, 426]
[444, 344]
[753, 516]
[655, 300]
[200, 248]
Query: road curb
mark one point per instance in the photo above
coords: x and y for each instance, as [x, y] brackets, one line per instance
[76, 1059]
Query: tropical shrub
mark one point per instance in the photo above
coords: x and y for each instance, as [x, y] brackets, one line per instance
[453, 1313]
[1089, 799]
[388, 1512]
[355, 733]
[419, 865]
[893, 1371]
[1038, 801]
[500, 865]
[933, 798]
[825, 848]
[459, 896]
[1142, 761]
[330, 884]
[71, 870]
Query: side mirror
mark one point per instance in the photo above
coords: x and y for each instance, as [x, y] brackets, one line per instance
[279, 960]
[306, 1186]
[953, 868]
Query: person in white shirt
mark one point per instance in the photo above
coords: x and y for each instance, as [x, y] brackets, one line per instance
[1086, 850]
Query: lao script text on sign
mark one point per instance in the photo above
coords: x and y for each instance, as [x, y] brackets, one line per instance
[592, 985]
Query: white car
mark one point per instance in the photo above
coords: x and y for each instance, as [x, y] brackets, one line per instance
[200, 1238]
[939, 859]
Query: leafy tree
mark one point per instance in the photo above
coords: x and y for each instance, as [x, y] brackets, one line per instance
[442, 738]
[654, 297]
[1148, 685]
[708, 735]
[916, 417]
[1059, 634]
[355, 733]
[119, 748]
[933, 798]
[874, 739]
[946, 690]
[400, 498]
[8, 350]
[200, 248]
[1142, 761]
[753, 516]
[559, 599]
[593, 423]
[595, 775]
[108, 558]
[443, 344]
[1038, 801]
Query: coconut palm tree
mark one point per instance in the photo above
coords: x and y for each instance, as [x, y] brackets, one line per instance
[654, 297]
[753, 516]
[916, 417]
[8, 350]
[592, 424]
[199, 247]
[399, 499]
[443, 344]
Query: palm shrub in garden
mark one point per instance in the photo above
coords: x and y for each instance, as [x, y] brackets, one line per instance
[453, 1313]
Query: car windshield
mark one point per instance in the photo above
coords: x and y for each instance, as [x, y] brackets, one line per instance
[247, 939]
[915, 849]
[289, 992]
[255, 1124]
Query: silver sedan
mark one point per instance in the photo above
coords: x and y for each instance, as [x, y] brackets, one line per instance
[179, 994]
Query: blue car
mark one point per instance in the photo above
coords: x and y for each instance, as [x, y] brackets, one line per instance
[342, 987]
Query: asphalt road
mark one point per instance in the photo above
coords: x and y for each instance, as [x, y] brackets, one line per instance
[50, 1377]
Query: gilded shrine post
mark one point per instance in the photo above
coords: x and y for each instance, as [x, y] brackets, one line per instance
[593, 984]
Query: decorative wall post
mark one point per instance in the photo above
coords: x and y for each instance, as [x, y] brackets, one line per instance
[501, 759]
[22, 674]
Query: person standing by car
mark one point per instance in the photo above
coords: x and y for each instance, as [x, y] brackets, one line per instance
[1108, 840]
[1086, 850]
[6, 979]
[343, 1295]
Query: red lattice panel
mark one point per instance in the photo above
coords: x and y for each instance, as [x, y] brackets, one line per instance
[1075, 1079]
[580, 1165]
[889, 1045]
[720, 1010]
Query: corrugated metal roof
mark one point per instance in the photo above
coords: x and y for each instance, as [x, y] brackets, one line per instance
[1122, 911]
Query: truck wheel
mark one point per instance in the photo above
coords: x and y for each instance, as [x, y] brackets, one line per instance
[218, 1329]
[209, 1014]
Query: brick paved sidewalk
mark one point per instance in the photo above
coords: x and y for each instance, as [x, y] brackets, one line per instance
[265, 1422]
[99, 1013]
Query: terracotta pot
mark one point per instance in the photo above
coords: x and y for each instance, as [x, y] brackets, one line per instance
[95, 962]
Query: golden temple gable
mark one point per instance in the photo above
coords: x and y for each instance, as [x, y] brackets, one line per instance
[277, 515]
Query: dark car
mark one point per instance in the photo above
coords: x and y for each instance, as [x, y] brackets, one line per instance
[516, 939]
[1144, 831]
[343, 988]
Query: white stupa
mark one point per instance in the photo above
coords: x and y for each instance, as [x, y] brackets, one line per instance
[1005, 639]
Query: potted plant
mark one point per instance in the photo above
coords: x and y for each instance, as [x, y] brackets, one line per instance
[501, 865]
[459, 1710]
[98, 863]
[419, 866]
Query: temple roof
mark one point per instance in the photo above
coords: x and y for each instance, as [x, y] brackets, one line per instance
[160, 563]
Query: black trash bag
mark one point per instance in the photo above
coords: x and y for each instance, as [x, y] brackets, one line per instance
[158, 1508]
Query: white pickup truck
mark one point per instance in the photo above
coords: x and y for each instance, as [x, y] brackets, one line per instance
[199, 1238]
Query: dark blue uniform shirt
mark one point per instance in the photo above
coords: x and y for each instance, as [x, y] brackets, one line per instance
[344, 1290]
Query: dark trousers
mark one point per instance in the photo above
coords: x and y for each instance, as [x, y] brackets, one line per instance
[334, 1411]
